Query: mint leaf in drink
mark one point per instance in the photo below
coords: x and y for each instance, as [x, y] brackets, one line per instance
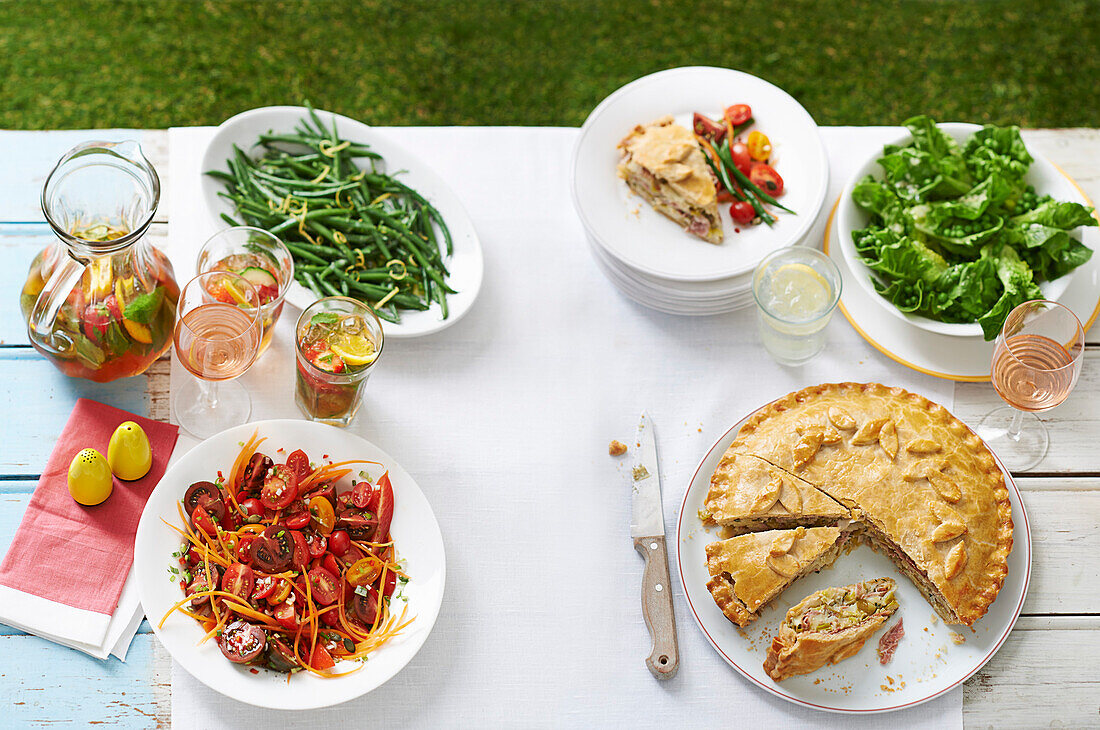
[117, 342]
[87, 351]
[324, 318]
[145, 306]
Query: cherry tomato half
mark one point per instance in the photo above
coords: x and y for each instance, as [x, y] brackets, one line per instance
[264, 586]
[280, 489]
[253, 506]
[238, 580]
[279, 592]
[324, 586]
[364, 572]
[738, 114]
[330, 564]
[320, 659]
[201, 519]
[361, 494]
[322, 514]
[742, 212]
[760, 147]
[742, 160]
[241, 642]
[707, 128]
[297, 516]
[285, 616]
[390, 584]
[300, 559]
[767, 179]
[244, 548]
[316, 543]
[365, 607]
[298, 463]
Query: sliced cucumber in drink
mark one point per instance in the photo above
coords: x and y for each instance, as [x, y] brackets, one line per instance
[258, 277]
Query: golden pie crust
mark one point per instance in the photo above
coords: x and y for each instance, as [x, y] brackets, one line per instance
[748, 571]
[922, 487]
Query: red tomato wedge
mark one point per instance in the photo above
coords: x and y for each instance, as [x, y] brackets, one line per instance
[320, 659]
[384, 509]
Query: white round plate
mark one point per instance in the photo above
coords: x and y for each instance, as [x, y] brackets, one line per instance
[927, 663]
[1044, 176]
[465, 264]
[414, 529]
[964, 359]
[633, 232]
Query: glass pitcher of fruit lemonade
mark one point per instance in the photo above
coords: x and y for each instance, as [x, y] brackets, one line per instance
[100, 302]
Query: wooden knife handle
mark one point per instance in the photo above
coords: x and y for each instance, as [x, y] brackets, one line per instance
[657, 607]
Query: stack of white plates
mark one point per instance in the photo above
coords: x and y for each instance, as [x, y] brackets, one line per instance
[649, 257]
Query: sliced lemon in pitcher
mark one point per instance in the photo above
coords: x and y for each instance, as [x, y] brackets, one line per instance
[356, 350]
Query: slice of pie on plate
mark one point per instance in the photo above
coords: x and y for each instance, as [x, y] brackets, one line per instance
[748, 494]
[663, 164]
[829, 625]
[750, 570]
[922, 487]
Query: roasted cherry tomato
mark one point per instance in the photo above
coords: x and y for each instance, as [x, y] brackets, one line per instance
[244, 548]
[707, 128]
[241, 642]
[364, 572]
[316, 543]
[198, 490]
[324, 586]
[767, 179]
[296, 516]
[280, 489]
[742, 160]
[285, 616]
[339, 542]
[760, 147]
[320, 659]
[253, 506]
[320, 511]
[201, 519]
[298, 463]
[300, 559]
[738, 114]
[384, 509]
[255, 472]
[742, 212]
[238, 580]
[264, 586]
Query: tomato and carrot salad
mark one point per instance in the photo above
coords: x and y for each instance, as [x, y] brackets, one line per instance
[283, 570]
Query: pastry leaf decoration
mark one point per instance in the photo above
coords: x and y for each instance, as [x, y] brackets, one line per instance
[955, 560]
[888, 439]
[841, 419]
[867, 434]
[923, 446]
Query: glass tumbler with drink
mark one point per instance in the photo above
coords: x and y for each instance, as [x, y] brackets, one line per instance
[1036, 362]
[217, 338]
[339, 341]
[796, 290]
[258, 256]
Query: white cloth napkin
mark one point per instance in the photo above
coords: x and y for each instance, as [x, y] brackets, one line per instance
[504, 421]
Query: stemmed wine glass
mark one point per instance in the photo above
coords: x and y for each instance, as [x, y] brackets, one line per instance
[217, 338]
[1036, 361]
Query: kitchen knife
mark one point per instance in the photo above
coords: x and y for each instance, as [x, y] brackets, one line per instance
[647, 527]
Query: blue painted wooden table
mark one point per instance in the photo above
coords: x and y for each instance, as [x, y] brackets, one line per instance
[1047, 668]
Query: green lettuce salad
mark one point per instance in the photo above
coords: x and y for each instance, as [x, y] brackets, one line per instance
[956, 235]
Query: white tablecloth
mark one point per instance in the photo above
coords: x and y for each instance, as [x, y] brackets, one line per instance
[504, 421]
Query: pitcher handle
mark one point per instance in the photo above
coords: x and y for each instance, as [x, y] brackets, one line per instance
[40, 323]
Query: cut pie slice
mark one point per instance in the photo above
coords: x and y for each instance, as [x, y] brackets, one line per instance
[828, 626]
[662, 163]
[748, 494]
[749, 571]
[924, 488]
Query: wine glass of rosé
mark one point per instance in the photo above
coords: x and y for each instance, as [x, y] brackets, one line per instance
[217, 338]
[1036, 361]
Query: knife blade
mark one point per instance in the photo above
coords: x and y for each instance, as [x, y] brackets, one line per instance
[647, 527]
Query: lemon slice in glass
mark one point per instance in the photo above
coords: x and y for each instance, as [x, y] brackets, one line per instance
[356, 350]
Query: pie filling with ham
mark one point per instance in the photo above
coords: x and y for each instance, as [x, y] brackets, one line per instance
[663, 164]
[908, 478]
[829, 626]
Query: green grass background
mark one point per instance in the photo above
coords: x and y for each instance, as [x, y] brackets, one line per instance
[157, 64]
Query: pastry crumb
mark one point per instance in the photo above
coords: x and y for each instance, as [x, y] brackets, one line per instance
[958, 638]
[935, 619]
[616, 448]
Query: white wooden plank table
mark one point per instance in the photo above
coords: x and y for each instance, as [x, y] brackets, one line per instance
[1047, 673]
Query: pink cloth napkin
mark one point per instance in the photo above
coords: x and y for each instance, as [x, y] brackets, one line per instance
[74, 555]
